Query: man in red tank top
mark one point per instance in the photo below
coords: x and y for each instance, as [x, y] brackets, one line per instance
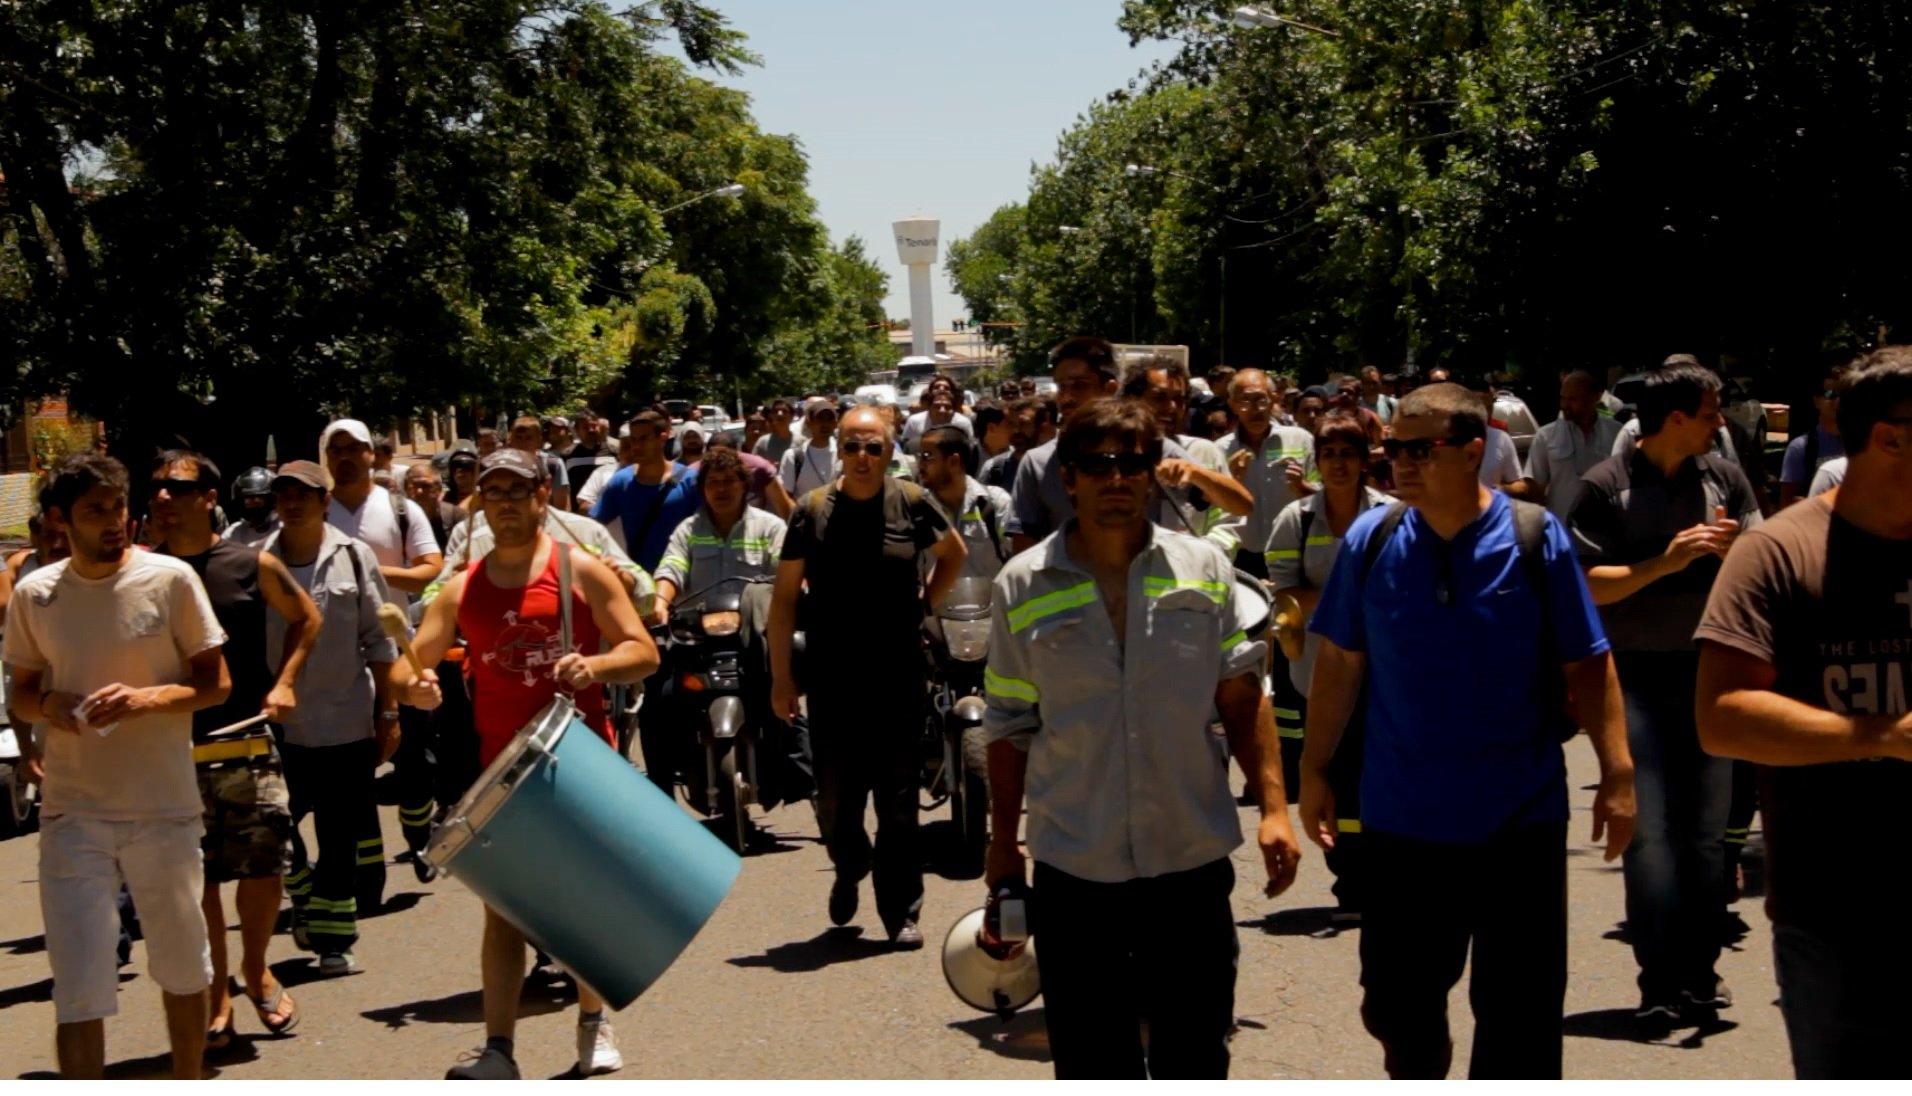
[508, 607]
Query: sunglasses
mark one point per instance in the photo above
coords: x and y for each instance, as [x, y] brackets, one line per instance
[176, 487]
[873, 448]
[517, 492]
[1829, 394]
[1418, 451]
[1104, 465]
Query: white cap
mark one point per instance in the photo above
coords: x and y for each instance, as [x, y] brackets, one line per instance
[356, 429]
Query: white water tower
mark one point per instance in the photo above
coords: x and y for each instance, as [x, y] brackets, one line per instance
[916, 247]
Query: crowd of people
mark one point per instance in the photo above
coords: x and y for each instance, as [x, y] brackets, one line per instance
[1187, 572]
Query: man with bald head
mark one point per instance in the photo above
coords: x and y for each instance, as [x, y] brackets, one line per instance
[859, 541]
[1271, 461]
[1567, 448]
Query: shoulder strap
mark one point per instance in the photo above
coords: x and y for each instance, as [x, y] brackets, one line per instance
[986, 506]
[403, 514]
[1530, 532]
[1812, 451]
[564, 592]
[654, 509]
[1390, 521]
[1301, 558]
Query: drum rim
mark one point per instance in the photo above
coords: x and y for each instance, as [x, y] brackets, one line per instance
[488, 794]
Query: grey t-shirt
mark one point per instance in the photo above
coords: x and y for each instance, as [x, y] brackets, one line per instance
[1628, 512]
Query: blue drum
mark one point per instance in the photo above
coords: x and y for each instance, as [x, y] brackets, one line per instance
[578, 849]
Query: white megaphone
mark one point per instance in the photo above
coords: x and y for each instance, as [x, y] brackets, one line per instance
[999, 977]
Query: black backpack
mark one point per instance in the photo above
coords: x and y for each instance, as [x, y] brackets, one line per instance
[1530, 532]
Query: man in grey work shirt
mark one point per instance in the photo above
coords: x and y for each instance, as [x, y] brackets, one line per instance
[1272, 461]
[344, 726]
[1098, 632]
[1084, 369]
[1568, 447]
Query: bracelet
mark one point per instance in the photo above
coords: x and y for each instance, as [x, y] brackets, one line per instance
[388, 715]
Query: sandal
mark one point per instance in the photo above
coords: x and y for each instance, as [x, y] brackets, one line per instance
[280, 1004]
[219, 1037]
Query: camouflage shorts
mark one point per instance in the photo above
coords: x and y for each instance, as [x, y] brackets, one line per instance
[248, 817]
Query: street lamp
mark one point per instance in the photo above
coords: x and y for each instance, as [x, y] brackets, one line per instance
[1254, 18]
[728, 190]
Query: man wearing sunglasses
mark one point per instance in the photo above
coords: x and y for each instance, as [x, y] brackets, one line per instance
[1463, 782]
[859, 543]
[1113, 640]
[248, 811]
[1806, 453]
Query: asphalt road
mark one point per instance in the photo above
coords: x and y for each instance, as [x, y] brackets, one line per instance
[770, 990]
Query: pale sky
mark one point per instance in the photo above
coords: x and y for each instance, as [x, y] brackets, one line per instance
[931, 106]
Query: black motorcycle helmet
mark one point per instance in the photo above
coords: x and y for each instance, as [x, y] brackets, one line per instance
[253, 491]
[251, 483]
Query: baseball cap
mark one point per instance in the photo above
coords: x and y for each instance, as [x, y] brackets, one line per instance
[353, 427]
[516, 461]
[302, 472]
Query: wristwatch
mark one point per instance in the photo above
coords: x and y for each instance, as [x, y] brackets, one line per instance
[389, 715]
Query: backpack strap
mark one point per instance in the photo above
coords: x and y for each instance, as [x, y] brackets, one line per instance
[403, 514]
[1530, 532]
[1812, 452]
[1383, 532]
[1301, 558]
[987, 507]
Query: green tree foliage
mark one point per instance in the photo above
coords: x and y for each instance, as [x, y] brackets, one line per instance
[384, 206]
[1525, 183]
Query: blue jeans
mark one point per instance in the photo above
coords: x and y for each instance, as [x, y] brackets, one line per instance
[1843, 997]
[1675, 868]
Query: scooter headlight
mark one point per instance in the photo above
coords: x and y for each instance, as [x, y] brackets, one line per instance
[723, 623]
[968, 640]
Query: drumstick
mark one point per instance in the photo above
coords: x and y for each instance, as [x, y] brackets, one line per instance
[234, 728]
[392, 619]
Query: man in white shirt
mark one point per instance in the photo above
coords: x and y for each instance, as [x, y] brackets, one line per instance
[112, 650]
[1566, 448]
[813, 464]
[397, 530]
[1500, 459]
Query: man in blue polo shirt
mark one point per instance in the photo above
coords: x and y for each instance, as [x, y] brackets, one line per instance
[1463, 784]
[649, 498]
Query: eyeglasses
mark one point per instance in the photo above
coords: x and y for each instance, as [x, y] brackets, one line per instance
[1104, 465]
[1254, 402]
[1418, 451]
[1829, 394]
[517, 492]
[176, 487]
[853, 448]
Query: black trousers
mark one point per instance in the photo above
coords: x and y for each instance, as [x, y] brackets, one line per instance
[333, 783]
[1427, 902]
[1113, 956]
[1346, 859]
[866, 734]
[415, 766]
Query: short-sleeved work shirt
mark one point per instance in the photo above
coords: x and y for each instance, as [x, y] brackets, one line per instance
[698, 555]
[1562, 453]
[1125, 778]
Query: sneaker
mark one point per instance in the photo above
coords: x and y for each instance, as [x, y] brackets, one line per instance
[1719, 998]
[484, 1064]
[597, 1053]
[1657, 1019]
[907, 938]
[335, 963]
[842, 901]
